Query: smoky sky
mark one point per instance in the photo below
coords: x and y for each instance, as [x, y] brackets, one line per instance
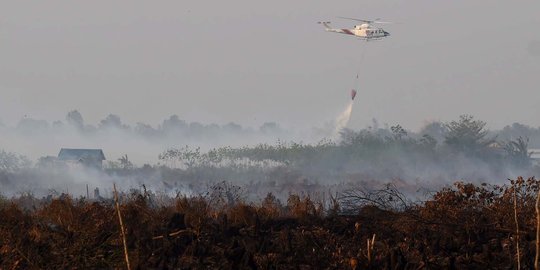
[257, 61]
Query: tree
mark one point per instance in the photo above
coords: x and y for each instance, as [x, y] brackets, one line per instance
[112, 121]
[270, 128]
[398, 132]
[173, 124]
[467, 135]
[428, 142]
[188, 156]
[75, 119]
[10, 162]
[232, 127]
[125, 163]
[46, 162]
[347, 136]
[145, 130]
[517, 130]
[518, 153]
[435, 130]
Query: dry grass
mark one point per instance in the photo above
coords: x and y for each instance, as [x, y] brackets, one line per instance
[466, 226]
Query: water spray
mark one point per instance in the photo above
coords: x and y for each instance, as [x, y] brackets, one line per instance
[343, 119]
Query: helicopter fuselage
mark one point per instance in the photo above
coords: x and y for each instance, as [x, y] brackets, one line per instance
[367, 32]
[364, 31]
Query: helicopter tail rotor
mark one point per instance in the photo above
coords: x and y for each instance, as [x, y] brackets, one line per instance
[326, 25]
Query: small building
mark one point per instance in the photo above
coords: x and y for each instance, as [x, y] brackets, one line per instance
[90, 158]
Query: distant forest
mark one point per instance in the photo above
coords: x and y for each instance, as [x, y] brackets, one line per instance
[175, 127]
[463, 148]
[441, 153]
[170, 127]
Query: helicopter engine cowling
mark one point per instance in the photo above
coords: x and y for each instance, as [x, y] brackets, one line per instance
[364, 26]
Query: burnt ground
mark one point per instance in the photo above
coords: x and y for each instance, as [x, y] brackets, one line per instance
[463, 227]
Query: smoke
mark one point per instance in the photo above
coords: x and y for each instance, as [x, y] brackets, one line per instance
[252, 159]
[533, 48]
[343, 120]
[78, 180]
[142, 143]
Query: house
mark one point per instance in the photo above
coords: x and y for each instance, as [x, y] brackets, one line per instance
[90, 158]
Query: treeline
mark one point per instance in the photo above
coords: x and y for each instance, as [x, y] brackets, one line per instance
[174, 127]
[460, 144]
[170, 127]
[459, 149]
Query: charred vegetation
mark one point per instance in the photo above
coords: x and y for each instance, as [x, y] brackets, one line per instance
[463, 226]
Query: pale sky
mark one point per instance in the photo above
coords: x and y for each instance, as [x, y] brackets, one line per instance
[256, 61]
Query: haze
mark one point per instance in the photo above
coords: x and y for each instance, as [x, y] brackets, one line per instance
[252, 61]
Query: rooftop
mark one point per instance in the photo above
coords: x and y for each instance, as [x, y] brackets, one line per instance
[77, 154]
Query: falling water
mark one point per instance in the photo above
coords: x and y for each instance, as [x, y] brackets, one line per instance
[343, 119]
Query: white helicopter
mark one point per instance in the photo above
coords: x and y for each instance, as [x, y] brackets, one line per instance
[364, 31]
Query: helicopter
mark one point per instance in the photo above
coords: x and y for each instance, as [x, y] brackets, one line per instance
[363, 31]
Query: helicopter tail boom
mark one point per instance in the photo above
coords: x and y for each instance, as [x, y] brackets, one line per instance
[336, 30]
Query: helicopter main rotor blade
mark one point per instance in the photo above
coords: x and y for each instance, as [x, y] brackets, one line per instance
[378, 20]
[382, 22]
[354, 19]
